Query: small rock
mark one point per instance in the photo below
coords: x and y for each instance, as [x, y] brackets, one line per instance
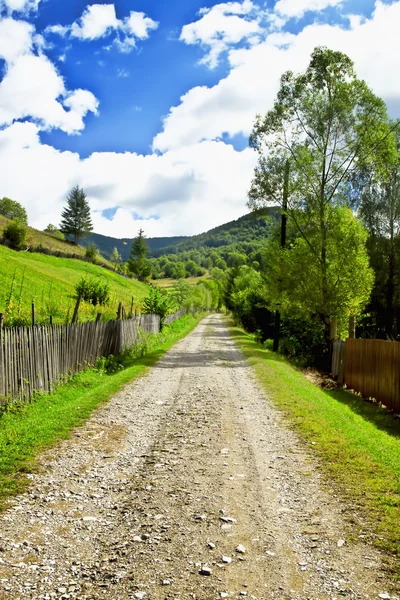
[139, 595]
[341, 543]
[384, 596]
[223, 594]
[226, 559]
[269, 553]
[205, 571]
[166, 582]
[241, 549]
[210, 545]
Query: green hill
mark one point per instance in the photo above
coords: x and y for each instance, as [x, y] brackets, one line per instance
[248, 228]
[107, 244]
[51, 281]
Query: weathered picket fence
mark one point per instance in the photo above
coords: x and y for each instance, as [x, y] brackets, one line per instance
[370, 367]
[37, 358]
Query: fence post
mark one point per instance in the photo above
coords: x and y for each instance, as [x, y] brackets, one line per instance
[1, 321]
[33, 313]
[76, 309]
[119, 311]
[98, 317]
[352, 327]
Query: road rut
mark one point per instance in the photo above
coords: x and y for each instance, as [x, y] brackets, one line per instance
[187, 484]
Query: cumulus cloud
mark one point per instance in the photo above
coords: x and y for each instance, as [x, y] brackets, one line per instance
[32, 87]
[19, 5]
[221, 27]
[15, 38]
[297, 8]
[189, 190]
[252, 83]
[100, 20]
[97, 20]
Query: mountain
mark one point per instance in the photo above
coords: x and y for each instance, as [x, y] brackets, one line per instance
[107, 244]
[250, 227]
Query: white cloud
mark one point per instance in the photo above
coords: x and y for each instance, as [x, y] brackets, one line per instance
[190, 190]
[15, 38]
[19, 5]
[297, 8]
[100, 20]
[97, 20]
[251, 86]
[221, 27]
[139, 25]
[33, 88]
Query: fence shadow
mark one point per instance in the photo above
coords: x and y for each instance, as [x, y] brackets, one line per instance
[380, 417]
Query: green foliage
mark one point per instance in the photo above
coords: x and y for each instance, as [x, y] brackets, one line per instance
[115, 257]
[137, 264]
[15, 234]
[13, 210]
[91, 252]
[294, 281]
[158, 302]
[76, 220]
[53, 231]
[328, 124]
[95, 291]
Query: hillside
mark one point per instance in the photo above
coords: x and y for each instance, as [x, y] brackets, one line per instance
[51, 281]
[245, 229]
[36, 238]
[248, 228]
[107, 244]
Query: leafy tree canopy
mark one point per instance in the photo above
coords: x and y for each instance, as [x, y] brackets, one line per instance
[13, 210]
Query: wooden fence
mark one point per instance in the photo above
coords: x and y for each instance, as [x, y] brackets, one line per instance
[371, 367]
[37, 358]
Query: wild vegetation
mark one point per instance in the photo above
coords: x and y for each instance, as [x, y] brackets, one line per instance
[325, 149]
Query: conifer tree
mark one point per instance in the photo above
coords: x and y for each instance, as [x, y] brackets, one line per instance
[75, 218]
[137, 262]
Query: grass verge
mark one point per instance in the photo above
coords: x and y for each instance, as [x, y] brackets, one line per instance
[357, 443]
[27, 429]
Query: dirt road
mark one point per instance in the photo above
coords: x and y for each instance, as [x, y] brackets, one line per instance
[187, 484]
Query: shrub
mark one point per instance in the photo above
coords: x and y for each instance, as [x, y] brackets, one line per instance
[93, 290]
[15, 234]
[91, 252]
[158, 302]
[54, 232]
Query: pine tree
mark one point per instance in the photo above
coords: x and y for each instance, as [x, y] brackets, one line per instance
[76, 219]
[137, 262]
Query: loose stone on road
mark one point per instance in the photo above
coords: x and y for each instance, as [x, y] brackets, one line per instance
[187, 484]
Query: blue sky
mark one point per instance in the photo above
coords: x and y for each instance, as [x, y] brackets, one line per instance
[148, 105]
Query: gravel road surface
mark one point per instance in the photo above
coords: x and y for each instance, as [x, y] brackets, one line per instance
[188, 484]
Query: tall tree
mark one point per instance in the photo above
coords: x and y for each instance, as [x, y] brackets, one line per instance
[328, 123]
[380, 211]
[75, 218]
[13, 210]
[137, 262]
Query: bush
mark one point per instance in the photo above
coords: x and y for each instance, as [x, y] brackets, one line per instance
[158, 302]
[15, 234]
[91, 252]
[54, 232]
[93, 290]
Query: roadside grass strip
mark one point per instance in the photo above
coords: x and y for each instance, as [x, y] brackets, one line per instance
[357, 443]
[28, 428]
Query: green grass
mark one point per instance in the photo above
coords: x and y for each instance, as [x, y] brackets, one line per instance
[51, 282]
[357, 442]
[36, 238]
[27, 429]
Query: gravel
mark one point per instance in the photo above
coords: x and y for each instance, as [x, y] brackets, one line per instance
[187, 484]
